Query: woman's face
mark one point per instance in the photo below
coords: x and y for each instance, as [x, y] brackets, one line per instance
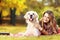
[46, 18]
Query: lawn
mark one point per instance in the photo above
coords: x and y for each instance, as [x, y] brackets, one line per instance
[16, 29]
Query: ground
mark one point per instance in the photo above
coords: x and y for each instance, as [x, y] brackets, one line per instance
[16, 29]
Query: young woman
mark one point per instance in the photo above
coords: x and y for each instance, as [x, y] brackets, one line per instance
[48, 23]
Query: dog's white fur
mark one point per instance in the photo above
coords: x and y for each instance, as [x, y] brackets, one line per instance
[32, 24]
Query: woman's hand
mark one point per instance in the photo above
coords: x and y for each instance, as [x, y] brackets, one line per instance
[44, 32]
[55, 32]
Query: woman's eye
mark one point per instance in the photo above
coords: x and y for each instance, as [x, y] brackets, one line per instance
[44, 16]
[47, 17]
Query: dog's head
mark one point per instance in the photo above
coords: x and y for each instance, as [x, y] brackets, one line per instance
[31, 16]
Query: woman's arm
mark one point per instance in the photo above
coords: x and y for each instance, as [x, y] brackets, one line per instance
[43, 31]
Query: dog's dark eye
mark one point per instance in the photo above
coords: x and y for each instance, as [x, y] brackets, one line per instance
[33, 13]
[28, 13]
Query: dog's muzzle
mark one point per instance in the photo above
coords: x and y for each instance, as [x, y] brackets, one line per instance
[31, 18]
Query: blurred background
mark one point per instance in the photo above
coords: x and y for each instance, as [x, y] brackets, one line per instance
[12, 11]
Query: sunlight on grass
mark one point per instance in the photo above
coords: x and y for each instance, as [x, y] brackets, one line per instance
[51, 37]
[16, 29]
[12, 29]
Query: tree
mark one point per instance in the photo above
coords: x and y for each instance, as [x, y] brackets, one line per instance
[57, 3]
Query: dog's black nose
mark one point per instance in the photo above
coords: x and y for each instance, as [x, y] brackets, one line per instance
[30, 16]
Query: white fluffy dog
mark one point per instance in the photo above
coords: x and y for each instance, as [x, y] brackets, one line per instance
[32, 24]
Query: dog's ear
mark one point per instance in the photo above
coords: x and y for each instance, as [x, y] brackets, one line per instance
[25, 16]
[37, 16]
[37, 19]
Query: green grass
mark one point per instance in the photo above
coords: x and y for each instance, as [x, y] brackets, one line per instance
[16, 29]
[12, 29]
